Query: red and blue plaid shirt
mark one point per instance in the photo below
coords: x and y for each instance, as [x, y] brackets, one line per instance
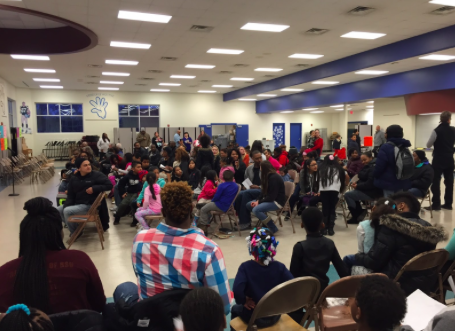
[166, 257]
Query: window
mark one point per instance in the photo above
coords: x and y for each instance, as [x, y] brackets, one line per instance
[59, 117]
[137, 116]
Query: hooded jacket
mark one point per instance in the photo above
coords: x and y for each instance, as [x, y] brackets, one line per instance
[354, 166]
[366, 181]
[130, 183]
[422, 177]
[78, 185]
[204, 158]
[384, 172]
[283, 158]
[398, 239]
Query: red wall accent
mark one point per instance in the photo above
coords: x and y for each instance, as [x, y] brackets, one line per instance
[430, 102]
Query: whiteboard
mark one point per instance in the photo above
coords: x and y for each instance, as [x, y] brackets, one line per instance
[425, 124]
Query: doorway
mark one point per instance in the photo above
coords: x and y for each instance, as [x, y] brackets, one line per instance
[296, 135]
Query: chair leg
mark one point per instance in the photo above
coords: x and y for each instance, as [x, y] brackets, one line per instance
[429, 201]
[344, 213]
[441, 290]
[76, 234]
[292, 223]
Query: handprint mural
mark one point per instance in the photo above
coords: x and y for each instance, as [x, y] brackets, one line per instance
[99, 107]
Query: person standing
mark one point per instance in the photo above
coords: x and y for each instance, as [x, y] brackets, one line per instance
[357, 137]
[157, 141]
[177, 137]
[103, 145]
[379, 140]
[143, 138]
[187, 141]
[311, 139]
[442, 140]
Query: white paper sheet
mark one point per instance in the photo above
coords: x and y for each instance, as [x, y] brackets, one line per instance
[247, 183]
[421, 309]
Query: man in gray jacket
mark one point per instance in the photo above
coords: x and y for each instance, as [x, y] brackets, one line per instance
[379, 139]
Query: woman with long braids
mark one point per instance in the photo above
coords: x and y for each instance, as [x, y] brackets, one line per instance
[22, 318]
[46, 275]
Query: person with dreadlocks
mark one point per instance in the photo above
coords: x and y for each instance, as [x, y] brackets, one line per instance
[46, 275]
[256, 277]
[22, 318]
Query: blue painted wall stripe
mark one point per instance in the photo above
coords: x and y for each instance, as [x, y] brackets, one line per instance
[426, 43]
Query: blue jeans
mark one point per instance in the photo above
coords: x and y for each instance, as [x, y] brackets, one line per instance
[294, 197]
[416, 192]
[240, 204]
[127, 291]
[388, 193]
[349, 260]
[72, 210]
[117, 197]
[352, 196]
[260, 212]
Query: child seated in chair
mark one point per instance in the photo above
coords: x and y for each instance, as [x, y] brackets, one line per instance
[63, 187]
[152, 201]
[257, 277]
[207, 193]
[284, 174]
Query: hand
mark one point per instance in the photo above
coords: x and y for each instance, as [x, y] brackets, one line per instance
[254, 204]
[138, 204]
[317, 194]
[236, 164]
[99, 107]
[254, 186]
[354, 185]
[66, 192]
[124, 196]
[249, 304]
[89, 190]
[345, 168]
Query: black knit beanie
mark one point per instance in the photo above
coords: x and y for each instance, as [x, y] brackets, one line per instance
[394, 131]
[421, 154]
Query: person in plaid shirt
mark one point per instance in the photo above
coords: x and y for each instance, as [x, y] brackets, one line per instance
[175, 254]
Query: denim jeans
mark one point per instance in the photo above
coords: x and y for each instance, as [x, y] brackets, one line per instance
[260, 212]
[72, 210]
[349, 260]
[127, 291]
[294, 197]
[117, 197]
[388, 193]
[352, 196]
[240, 204]
[416, 192]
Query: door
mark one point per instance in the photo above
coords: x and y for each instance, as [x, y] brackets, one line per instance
[278, 134]
[296, 135]
[207, 129]
[242, 135]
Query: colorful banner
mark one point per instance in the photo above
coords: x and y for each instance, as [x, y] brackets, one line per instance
[4, 144]
[2, 131]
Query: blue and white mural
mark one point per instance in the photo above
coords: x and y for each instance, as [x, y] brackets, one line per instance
[99, 107]
[278, 134]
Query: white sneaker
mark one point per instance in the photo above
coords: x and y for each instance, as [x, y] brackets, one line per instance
[113, 208]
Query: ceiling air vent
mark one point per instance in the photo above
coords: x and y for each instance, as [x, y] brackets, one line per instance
[140, 84]
[153, 71]
[146, 78]
[92, 76]
[360, 10]
[91, 83]
[193, 85]
[95, 66]
[241, 65]
[443, 10]
[316, 31]
[225, 72]
[269, 76]
[201, 28]
[168, 58]
[303, 65]
[205, 81]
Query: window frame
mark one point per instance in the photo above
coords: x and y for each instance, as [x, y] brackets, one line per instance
[138, 116]
[59, 115]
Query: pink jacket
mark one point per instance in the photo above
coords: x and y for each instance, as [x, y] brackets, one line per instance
[224, 169]
[208, 191]
[151, 203]
[274, 163]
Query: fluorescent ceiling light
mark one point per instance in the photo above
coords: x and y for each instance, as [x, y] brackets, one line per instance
[51, 86]
[286, 112]
[48, 71]
[115, 73]
[370, 106]
[370, 101]
[431, 114]
[242, 78]
[30, 57]
[144, 17]
[121, 62]
[324, 82]
[371, 72]
[225, 51]
[108, 88]
[199, 66]
[363, 35]
[169, 84]
[264, 27]
[268, 69]
[445, 3]
[310, 109]
[292, 89]
[337, 106]
[109, 82]
[247, 99]
[305, 56]
[46, 79]
[130, 45]
[266, 95]
[437, 57]
[183, 77]
[338, 109]
[316, 112]
[158, 90]
[222, 86]
[206, 91]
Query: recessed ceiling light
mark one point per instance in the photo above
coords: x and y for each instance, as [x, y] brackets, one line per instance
[158, 90]
[109, 82]
[445, 3]
[431, 114]
[324, 82]
[199, 66]
[266, 95]
[268, 69]
[46, 79]
[206, 91]
[115, 73]
[316, 112]
[286, 112]
[169, 84]
[225, 51]
[370, 101]
[121, 62]
[144, 17]
[305, 56]
[338, 109]
[370, 106]
[363, 35]
[130, 45]
[183, 77]
[292, 89]
[437, 57]
[247, 99]
[222, 86]
[242, 78]
[310, 109]
[48, 71]
[264, 27]
[108, 88]
[371, 72]
[30, 57]
[51, 86]
[337, 106]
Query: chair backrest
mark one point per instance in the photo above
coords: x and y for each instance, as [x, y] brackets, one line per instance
[425, 261]
[293, 174]
[287, 297]
[231, 207]
[288, 189]
[94, 208]
[343, 288]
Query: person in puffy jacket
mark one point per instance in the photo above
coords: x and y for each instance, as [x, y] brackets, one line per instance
[384, 172]
[205, 154]
[354, 164]
[399, 238]
[423, 175]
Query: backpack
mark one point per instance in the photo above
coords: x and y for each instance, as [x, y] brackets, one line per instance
[404, 162]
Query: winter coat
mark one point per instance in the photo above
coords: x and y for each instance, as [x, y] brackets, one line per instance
[354, 166]
[204, 158]
[353, 145]
[275, 191]
[366, 181]
[283, 158]
[155, 158]
[398, 239]
[384, 172]
[78, 185]
[239, 174]
[130, 183]
[422, 177]
[336, 144]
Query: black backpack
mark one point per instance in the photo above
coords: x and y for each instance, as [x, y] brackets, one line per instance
[404, 162]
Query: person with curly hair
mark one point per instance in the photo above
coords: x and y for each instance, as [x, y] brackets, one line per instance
[175, 248]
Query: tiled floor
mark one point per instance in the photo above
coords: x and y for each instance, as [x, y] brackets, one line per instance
[114, 263]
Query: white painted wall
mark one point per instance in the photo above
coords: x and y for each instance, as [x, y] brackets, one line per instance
[362, 115]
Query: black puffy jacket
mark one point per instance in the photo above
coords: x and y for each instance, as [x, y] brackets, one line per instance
[366, 181]
[204, 158]
[422, 177]
[78, 185]
[398, 239]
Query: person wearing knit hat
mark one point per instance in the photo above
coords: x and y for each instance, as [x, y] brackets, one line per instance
[385, 177]
[423, 175]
